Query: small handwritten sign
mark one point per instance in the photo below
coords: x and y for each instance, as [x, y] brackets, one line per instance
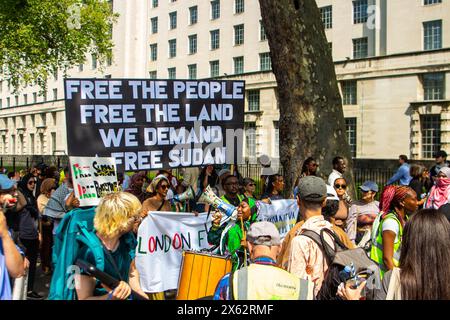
[93, 177]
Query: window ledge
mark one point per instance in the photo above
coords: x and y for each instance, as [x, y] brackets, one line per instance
[259, 112]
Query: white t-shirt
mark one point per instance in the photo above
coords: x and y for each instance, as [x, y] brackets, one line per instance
[391, 225]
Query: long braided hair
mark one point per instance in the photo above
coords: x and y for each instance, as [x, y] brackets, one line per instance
[391, 197]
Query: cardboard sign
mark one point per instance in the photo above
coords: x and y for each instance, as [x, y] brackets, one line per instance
[93, 177]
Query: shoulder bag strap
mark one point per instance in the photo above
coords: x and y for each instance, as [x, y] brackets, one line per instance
[162, 205]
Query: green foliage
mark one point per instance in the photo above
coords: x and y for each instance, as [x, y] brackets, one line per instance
[39, 37]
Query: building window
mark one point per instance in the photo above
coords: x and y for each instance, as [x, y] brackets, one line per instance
[350, 129]
[432, 35]
[172, 73]
[31, 143]
[154, 22]
[53, 141]
[193, 44]
[173, 20]
[214, 68]
[34, 97]
[239, 6]
[253, 100]
[215, 39]
[192, 70]
[327, 16]
[264, 61]
[349, 92]
[8, 102]
[154, 3]
[109, 59]
[25, 99]
[53, 118]
[80, 67]
[215, 9]
[433, 86]
[431, 135]
[13, 144]
[427, 2]
[360, 48]
[250, 139]
[262, 32]
[193, 15]
[16, 99]
[153, 51]
[239, 34]
[153, 74]
[55, 94]
[276, 126]
[94, 62]
[172, 48]
[238, 65]
[360, 11]
[1, 103]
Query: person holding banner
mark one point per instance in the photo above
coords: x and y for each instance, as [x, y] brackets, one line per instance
[114, 220]
[158, 189]
[274, 190]
[262, 280]
[231, 238]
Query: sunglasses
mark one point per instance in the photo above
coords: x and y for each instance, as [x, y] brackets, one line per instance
[340, 186]
[164, 186]
[31, 182]
[251, 185]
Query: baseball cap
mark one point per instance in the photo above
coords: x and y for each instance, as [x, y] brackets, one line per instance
[369, 186]
[312, 188]
[263, 233]
[5, 182]
[440, 153]
[331, 193]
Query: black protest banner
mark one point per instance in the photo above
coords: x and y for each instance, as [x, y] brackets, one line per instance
[154, 124]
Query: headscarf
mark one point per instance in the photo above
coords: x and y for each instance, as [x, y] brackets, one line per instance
[152, 187]
[440, 192]
[133, 189]
[391, 196]
[31, 200]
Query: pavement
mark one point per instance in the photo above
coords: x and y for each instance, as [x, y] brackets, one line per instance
[41, 282]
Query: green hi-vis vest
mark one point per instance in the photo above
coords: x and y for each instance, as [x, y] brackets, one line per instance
[240, 197]
[376, 252]
[265, 282]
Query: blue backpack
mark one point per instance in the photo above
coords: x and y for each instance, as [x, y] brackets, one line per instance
[75, 231]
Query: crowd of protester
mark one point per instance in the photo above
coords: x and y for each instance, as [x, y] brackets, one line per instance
[405, 234]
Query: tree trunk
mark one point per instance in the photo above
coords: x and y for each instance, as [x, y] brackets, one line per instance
[311, 117]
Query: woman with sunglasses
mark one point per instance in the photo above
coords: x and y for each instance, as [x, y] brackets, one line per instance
[340, 185]
[248, 188]
[158, 189]
[29, 228]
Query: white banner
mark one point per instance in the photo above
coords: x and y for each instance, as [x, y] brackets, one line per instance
[162, 237]
[92, 178]
[282, 213]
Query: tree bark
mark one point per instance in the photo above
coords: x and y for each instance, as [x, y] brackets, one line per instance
[311, 116]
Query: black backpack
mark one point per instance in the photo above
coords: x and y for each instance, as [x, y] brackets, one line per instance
[339, 257]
